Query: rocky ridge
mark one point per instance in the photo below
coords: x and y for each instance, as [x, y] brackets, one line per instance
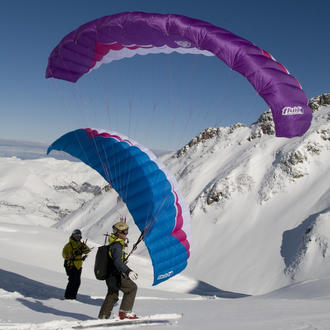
[263, 126]
[290, 161]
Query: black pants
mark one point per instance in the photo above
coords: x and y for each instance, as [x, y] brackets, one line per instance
[74, 275]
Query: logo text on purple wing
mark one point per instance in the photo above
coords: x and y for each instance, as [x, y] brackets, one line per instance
[184, 44]
[290, 111]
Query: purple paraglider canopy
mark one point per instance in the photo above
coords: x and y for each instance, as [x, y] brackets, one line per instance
[127, 34]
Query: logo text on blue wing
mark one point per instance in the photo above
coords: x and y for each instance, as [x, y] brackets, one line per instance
[166, 275]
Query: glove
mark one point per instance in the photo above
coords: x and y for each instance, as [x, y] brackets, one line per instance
[133, 276]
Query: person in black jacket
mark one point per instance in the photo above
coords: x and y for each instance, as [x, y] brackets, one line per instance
[121, 277]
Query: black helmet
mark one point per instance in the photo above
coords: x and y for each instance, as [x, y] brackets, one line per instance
[76, 234]
[120, 227]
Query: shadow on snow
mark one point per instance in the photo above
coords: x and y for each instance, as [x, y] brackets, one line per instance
[29, 288]
[41, 308]
[294, 243]
[205, 289]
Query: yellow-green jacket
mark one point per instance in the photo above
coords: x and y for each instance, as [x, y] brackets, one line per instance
[73, 251]
[117, 255]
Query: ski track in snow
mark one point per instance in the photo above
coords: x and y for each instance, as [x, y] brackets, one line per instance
[152, 320]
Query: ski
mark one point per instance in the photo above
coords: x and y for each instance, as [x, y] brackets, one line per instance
[158, 319]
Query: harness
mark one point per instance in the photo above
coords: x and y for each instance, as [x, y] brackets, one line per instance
[77, 252]
[114, 239]
[77, 255]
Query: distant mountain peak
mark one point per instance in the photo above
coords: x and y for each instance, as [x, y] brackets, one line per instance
[316, 102]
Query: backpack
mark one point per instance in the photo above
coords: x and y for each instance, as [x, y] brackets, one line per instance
[102, 261]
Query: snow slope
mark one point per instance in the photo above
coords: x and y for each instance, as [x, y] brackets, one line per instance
[33, 281]
[260, 218]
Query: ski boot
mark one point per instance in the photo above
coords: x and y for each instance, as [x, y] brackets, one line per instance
[127, 315]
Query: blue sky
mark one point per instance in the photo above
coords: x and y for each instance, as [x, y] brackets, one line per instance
[162, 101]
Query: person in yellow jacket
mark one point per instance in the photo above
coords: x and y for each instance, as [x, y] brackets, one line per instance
[74, 253]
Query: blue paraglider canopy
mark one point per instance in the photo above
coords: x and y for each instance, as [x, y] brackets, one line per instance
[149, 190]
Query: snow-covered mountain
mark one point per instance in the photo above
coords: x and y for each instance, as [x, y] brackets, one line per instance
[259, 204]
[44, 190]
[260, 208]
[264, 202]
